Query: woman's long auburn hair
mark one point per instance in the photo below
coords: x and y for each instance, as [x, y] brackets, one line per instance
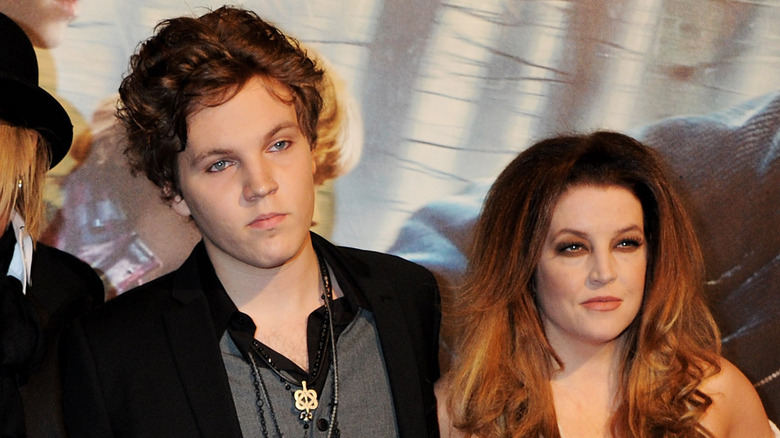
[503, 364]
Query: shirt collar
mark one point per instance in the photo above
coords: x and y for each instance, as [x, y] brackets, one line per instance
[21, 262]
[222, 306]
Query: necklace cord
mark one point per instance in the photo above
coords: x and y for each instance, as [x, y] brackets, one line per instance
[325, 275]
[261, 391]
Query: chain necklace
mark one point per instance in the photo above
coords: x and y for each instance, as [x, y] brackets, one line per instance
[306, 400]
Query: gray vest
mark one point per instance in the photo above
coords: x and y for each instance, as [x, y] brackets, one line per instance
[365, 402]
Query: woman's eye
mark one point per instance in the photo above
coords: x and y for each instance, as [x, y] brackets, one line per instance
[569, 248]
[219, 166]
[630, 243]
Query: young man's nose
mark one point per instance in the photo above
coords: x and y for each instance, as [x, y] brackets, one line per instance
[258, 181]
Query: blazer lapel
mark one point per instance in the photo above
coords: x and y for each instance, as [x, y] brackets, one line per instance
[198, 358]
[394, 336]
[399, 360]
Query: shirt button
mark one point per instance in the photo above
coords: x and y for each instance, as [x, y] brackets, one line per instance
[322, 424]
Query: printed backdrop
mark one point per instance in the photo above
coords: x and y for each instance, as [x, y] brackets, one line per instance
[441, 95]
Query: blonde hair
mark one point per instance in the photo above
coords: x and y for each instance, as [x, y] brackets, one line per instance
[24, 160]
[339, 128]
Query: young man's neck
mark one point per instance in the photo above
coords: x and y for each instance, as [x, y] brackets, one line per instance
[295, 283]
[279, 300]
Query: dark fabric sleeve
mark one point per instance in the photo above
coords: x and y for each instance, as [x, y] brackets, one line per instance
[83, 402]
[433, 330]
[21, 346]
[62, 289]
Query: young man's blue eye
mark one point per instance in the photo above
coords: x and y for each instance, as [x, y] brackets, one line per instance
[219, 165]
[280, 145]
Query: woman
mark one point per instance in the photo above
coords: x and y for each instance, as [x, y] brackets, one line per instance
[43, 288]
[582, 312]
[44, 21]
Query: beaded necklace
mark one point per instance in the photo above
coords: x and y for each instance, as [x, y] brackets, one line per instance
[306, 400]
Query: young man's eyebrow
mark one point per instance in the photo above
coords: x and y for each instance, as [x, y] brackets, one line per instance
[206, 154]
[281, 126]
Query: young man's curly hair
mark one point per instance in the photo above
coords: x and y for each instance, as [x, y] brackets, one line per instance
[192, 63]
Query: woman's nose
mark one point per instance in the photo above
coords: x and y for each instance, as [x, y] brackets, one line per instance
[602, 269]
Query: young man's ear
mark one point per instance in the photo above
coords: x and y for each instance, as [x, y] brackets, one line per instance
[179, 205]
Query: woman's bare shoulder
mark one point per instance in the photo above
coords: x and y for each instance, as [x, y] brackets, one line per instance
[736, 409]
[446, 429]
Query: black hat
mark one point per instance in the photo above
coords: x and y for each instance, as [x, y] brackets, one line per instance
[22, 101]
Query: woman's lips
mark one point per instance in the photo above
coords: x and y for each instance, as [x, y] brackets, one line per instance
[602, 304]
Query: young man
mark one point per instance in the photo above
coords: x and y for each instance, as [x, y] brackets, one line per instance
[266, 329]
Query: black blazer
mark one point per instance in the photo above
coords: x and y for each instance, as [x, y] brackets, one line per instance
[148, 363]
[62, 287]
